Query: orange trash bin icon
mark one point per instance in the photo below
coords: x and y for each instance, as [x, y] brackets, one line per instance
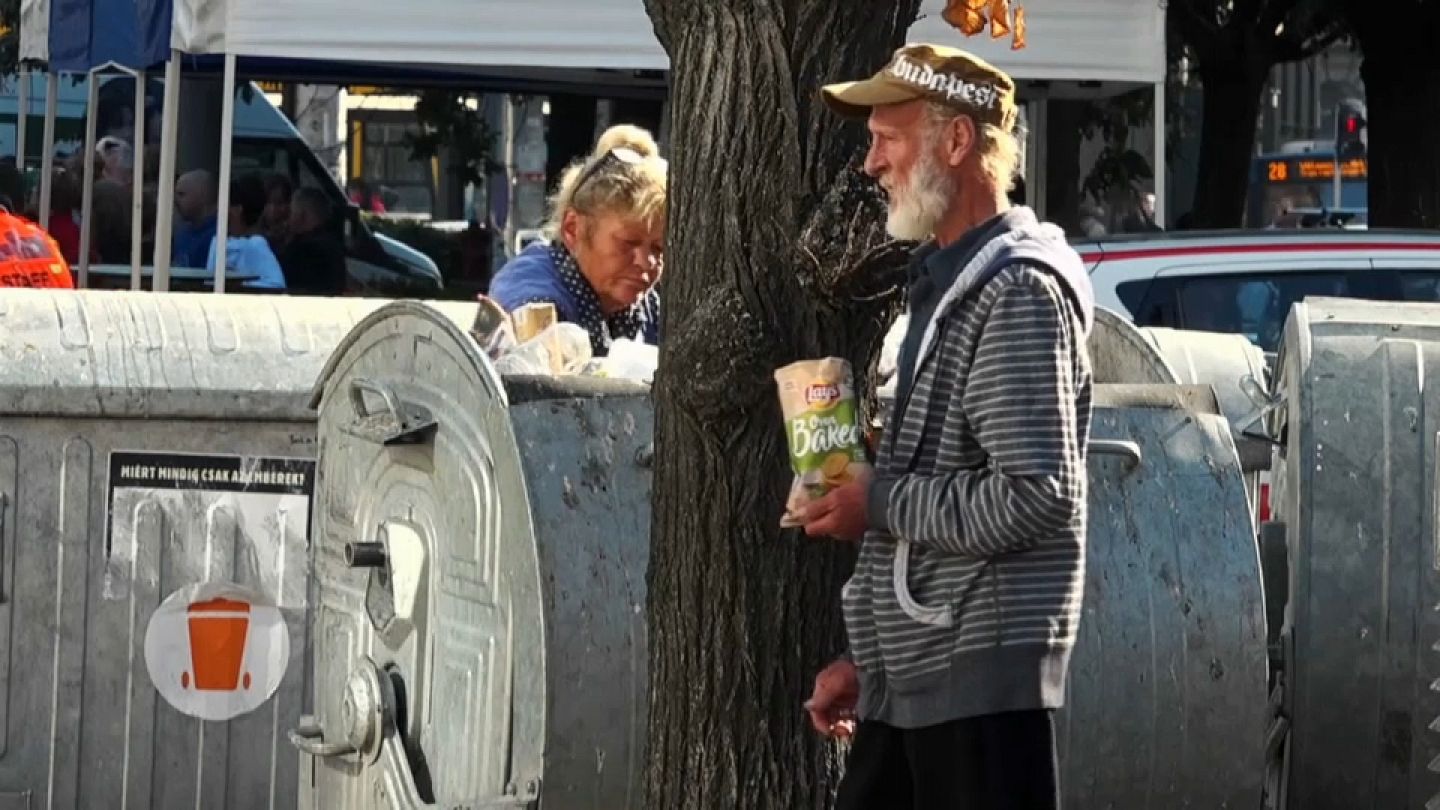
[218, 629]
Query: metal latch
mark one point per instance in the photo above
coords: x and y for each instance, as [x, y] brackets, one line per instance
[310, 738]
[367, 718]
[398, 423]
[396, 560]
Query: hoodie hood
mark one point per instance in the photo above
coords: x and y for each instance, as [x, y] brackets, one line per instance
[1022, 239]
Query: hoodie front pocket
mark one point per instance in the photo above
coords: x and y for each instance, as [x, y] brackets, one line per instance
[941, 615]
[920, 618]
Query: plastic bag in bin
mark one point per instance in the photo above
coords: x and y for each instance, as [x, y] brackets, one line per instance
[29, 257]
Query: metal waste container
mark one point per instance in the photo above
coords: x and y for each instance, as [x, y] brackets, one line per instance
[1166, 704]
[1124, 353]
[149, 443]
[480, 565]
[480, 559]
[1356, 493]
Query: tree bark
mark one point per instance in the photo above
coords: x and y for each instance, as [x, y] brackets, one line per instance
[775, 252]
[1231, 111]
[1402, 98]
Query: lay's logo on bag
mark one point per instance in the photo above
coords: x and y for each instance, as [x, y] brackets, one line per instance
[822, 394]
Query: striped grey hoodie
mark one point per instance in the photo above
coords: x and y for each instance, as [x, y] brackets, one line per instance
[966, 594]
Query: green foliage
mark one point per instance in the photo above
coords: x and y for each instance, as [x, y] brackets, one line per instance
[1256, 34]
[1114, 119]
[1118, 166]
[10, 40]
[448, 123]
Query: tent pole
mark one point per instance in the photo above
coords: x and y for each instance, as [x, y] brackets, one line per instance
[22, 112]
[227, 128]
[1159, 162]
[165, 197]
[137, 190]
[47, 158]
[87, 193]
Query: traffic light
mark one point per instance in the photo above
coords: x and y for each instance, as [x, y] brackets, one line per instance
[1350, 130]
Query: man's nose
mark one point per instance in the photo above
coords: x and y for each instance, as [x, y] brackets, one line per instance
[875, 164]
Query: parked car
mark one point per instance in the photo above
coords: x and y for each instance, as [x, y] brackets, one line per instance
[1245, 282]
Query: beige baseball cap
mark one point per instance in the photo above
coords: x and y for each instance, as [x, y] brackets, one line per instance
[949, 76]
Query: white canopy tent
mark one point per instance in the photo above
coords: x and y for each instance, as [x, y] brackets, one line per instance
[1112, 41]
[598, 34]
[1070, 40]
[1107, 44]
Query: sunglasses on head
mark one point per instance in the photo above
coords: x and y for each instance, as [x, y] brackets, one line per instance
[620, 154]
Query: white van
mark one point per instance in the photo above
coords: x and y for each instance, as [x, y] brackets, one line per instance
[264, 141]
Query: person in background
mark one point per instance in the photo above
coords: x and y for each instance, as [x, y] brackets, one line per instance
[64, 226]
[276, 222]
[1142, 218]
[607, 227]
[196, 204]
[111, 210]
[247, 252]
[965, 601]
[13, 193]
[362, 195]
[118, 161]
[1092, 220]
[1147, 211]
[314, 258]
[115, 112]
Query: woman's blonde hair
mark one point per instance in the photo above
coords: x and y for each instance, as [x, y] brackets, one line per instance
[632, 189]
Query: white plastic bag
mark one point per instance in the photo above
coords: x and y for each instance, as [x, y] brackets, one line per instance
[631, 360]
[560, 348]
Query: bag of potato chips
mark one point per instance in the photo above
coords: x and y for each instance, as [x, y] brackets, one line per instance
[822, 424]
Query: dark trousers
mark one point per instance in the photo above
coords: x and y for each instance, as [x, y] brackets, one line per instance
[996, 762]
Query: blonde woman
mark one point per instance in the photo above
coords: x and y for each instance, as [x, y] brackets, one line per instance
[607, 229]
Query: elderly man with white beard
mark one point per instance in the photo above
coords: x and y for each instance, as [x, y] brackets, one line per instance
[965, 600]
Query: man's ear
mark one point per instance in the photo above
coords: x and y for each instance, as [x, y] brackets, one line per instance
[960, 141]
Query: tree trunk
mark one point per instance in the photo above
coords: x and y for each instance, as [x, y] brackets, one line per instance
[775, 252]
[1231, 110]
[1403, 107]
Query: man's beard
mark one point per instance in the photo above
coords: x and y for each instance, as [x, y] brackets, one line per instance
[917, 207]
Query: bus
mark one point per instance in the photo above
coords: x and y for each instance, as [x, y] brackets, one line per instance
[1302, 180]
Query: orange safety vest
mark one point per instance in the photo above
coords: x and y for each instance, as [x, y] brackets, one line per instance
[29, 257]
